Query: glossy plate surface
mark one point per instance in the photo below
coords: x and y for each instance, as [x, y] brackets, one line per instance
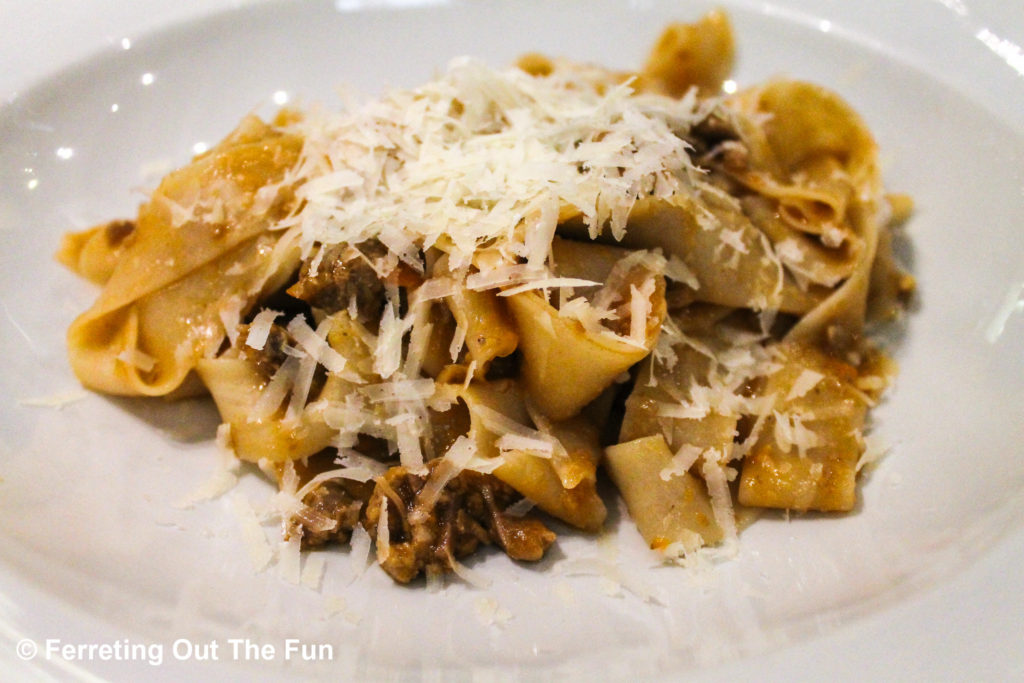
[924, 578]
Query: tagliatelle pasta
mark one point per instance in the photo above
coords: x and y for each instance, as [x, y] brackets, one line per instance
[438, 310]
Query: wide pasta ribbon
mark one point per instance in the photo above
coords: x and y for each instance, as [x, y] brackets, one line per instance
[199, 256]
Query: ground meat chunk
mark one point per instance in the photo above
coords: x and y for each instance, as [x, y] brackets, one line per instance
[711, 132]
[340, 501]
[269, 359]
[716, 143]
[468, 512]
[272, 355]
[523, 538]
[343, 274]
[117, 232]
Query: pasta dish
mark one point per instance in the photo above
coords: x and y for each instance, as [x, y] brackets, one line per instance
[436, 318]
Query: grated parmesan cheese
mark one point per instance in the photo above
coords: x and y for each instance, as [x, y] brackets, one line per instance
[399, 390]
[259, 329]
[230, 314]
[807, 380]
[58, 400]
[137, 358]
[611, 574]
[676, 269]
[224, 477]
[504, 276]
[289, 559]
[718, 488]
[410, 169]
[491, 613]
[419, 340]
[256, 546]
[274, 393]
[383, 532]
[314, 343]
[790, 431]
[519, 508]
[313, 572]
[434, 580]
[499, 423]
[682, 461]
[300, 389]
[360, 545]
[387, 354]
[639, 310]
[549, 283]
[542, 448]
[359, 467]
[874, 450]
[434, 289]
[473, 578]
[458, 456]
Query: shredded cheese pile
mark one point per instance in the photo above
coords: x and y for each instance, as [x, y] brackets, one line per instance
[481, 158]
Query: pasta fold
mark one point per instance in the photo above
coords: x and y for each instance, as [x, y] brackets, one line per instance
[807, 453]
[666, 508]
[496, 408]
[565, 365]
[199, 254]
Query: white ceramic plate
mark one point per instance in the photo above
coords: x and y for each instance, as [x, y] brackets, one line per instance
[923, 579]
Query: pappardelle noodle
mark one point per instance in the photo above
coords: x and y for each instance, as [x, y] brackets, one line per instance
[433, 311]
